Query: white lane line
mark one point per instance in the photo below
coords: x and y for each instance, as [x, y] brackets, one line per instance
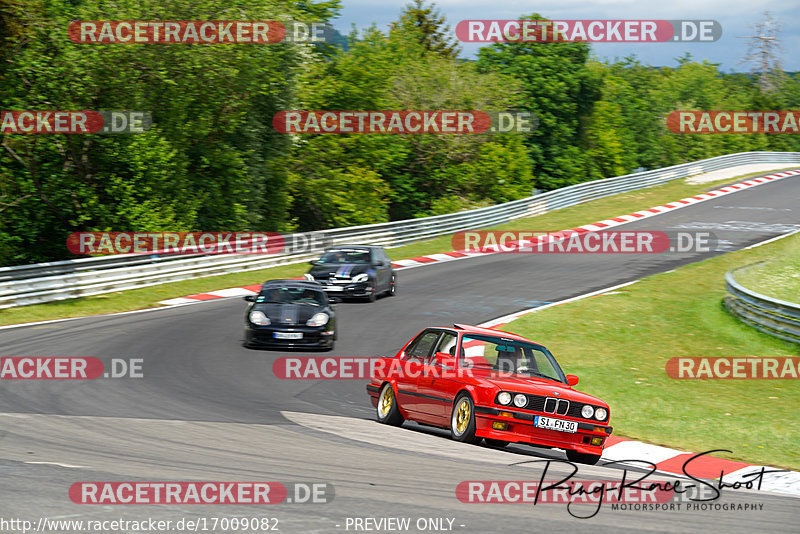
[69, 466]
[772, 239]
[516, 315]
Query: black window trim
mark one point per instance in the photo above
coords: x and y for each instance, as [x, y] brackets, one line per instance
[417, 339]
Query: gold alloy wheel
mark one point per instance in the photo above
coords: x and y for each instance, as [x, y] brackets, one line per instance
[462, 416]
[387, 397]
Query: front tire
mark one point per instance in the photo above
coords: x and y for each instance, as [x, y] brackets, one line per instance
[462, 420]
[373, 294]
[582, 458]
[387, 409]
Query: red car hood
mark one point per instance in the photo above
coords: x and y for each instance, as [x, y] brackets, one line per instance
[539, 386]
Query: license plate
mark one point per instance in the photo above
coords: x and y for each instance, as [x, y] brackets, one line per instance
[334, 288]
[555, 424]
[288, 335]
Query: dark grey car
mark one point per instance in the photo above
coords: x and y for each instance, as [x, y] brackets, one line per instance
[354, 271]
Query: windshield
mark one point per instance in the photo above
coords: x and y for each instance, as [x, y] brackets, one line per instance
[292, 295]
[509, 356]
[345, 256]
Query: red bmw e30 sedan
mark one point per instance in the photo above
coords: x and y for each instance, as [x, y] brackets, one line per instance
[489, 384]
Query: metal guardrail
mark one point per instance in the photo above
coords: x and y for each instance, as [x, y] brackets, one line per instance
[776, 317]
[45, 282]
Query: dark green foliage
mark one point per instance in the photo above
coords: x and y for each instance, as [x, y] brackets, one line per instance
[212, 160]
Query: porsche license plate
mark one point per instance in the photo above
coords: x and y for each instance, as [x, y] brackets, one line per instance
[555, 424]
[288, 335]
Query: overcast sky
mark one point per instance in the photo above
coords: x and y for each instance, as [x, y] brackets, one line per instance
[735, 16]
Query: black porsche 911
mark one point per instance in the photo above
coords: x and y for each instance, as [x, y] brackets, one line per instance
[354, 271]
[290, 314]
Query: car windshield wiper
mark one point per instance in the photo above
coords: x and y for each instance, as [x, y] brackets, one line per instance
[537, 373]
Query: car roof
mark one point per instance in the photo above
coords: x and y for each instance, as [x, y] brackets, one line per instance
[288, 282]
[355, 247]
[488, 331]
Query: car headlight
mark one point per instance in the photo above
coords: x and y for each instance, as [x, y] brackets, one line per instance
[520, 400]
[258, 317]
[587, 411]
[363, 277]
[319, 319]
[601, 414]
[309, 277]
[504, 398]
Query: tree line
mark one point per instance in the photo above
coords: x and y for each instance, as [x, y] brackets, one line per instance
[213, 161]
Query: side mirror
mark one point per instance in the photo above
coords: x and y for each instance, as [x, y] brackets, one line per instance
[445, 359]
[312, 262]
[250, 298]
[572, 380]
[334, 300]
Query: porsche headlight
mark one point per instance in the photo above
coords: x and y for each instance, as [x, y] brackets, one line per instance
[520, 400]
[259, 318]
[309, 277]
[319, 319]
[363, 277]
[601, 414]
[504, 398]
[587, 411]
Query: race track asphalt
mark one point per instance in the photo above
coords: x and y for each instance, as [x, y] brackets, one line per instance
[210, 409]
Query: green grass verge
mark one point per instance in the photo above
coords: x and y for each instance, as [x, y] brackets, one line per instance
[149, 297]
[619, 343]
[778, 277]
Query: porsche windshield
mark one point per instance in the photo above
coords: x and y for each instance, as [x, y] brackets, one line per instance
[509, 356]
[292, 295]
[345, 256]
